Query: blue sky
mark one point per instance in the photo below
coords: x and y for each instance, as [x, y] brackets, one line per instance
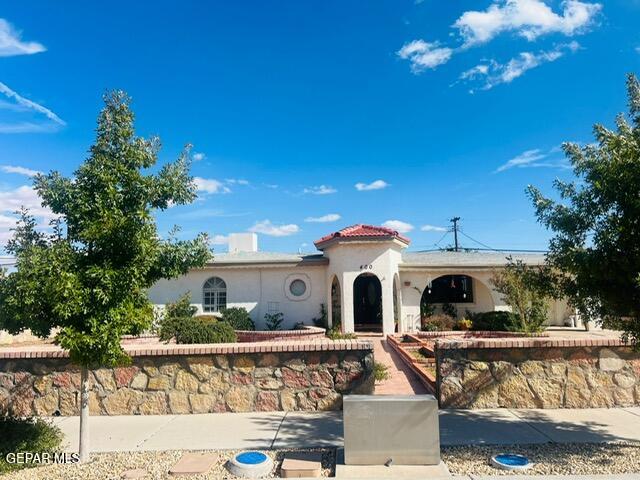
[306, 117]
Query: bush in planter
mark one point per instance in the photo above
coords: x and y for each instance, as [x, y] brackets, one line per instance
[196, 330]
[438, 322]
[495, 321]
[26, 435]
[238, 318]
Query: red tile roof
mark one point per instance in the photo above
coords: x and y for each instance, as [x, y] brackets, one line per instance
[362, 231]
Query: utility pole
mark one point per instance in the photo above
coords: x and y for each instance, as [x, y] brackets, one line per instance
[455, 221]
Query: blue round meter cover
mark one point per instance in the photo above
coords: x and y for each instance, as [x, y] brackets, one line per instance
[511, 461]
[251, 458]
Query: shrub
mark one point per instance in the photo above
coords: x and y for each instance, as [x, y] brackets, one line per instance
[464, 324]
[380, 371]
[26, 435]
[273, 321]
[336, 334]
[322, 320]
[450, 310]
[196, 330]
[518, 284]
[495, 321]
[298, 326]
[181, 307]
[438, 322]
[238, 318]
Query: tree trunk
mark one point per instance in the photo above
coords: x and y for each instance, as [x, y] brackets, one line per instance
[83, 447]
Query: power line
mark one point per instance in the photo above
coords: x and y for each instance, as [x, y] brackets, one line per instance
[478, 242]
[441, 238]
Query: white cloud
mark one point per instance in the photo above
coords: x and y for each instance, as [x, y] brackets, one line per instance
[11, 43]
[330, 217]
[237, 181]
[210, 185]
[400, 226]
[493, 73]
[19, 170]
[535, 158]
[198, 156]
[28, 127]
[267, 228]
[377, 185]
[12, 200]
[320, 190]
[25, 102]
[474, 72]
[527, 18]
[432, 228]
[424, 55]
[219, 240]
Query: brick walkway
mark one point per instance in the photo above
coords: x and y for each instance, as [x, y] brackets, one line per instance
[403, 381]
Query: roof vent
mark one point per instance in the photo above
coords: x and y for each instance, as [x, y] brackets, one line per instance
[243, 242]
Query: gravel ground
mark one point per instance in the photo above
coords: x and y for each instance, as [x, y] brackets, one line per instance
[576, 459]
[109, 466]
[549, 458]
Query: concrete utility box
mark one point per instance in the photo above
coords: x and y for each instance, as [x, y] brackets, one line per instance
[400, 428]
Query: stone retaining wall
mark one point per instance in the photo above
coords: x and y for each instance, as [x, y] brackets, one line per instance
[537, 373]
[176, 379]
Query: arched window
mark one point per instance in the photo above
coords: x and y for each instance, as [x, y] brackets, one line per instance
[214, 295]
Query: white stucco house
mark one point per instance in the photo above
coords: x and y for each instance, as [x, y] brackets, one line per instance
[362, 273]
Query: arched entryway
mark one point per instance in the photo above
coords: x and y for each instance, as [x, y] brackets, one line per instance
[336, 304]
[454, 295]
[367, 303]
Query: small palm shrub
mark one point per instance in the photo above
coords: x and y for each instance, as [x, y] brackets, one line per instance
[26, 435]
[196, 330]
[273, 321]
[238, 318]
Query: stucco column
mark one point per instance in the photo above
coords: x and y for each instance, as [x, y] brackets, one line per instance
[329, 304]
[346, 285]
[388, 324]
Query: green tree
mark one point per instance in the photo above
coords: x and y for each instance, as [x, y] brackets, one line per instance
[89, 279]
[595, 250]
[519, 285]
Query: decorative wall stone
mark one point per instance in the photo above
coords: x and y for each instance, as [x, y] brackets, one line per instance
[181, 384]
[540, 377]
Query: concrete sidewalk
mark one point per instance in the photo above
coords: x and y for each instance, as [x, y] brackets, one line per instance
[302, 430]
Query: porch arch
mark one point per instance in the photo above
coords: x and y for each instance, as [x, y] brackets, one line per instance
[461, 290]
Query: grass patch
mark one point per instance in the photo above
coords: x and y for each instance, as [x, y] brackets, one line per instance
[380, 372]
[26, 435]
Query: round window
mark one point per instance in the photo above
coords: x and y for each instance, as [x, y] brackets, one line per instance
[298, 288]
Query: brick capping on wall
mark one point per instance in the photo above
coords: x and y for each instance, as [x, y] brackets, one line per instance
[141, 350]
[307, 332]
[528, 342]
